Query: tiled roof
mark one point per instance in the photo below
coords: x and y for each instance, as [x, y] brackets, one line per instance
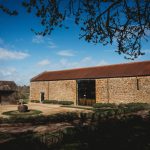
[109, 71]
[7, 86]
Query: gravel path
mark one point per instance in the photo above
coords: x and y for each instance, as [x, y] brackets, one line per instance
[47, 109]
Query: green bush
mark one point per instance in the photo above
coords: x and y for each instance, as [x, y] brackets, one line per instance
[104, 105]
[53, 102]
[25, 101]
[50, 102]
[16, 113]
[112, 110]
[133, 107]
[65, 102]
[57, 102]
[39, 119]
[35, 101]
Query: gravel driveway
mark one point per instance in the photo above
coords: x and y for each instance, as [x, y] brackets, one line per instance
[47, 109]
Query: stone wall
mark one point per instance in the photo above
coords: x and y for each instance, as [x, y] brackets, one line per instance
[36, 88]
[123, 90]
[101, 91]
[113, 90]
[63, 90]
[54, 90]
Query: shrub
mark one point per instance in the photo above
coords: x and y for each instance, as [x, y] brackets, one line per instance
[40, 119]
[25, 101]
[16, 113]
[54, 102]
[104, 105]
[133, 107]
[108, 110]
[57, 102]
[65, 102]
[50, 102]
[35, 101]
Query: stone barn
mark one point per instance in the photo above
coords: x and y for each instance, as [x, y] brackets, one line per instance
[119, 83]
[8, 92]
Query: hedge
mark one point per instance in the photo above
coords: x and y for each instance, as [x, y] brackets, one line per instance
[35, 101]
[41, 119]
[104, 105]
[113, 109]
[54, 102]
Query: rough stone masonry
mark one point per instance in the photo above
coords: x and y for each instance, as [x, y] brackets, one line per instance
[120, 83]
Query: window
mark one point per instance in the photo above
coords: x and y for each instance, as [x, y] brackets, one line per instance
[137, 83]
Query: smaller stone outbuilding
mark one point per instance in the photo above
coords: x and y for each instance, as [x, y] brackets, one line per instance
[8, 92]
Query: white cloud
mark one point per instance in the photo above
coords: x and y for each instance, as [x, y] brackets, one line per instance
[44, 62]
[84, 62]
[86, 59]
[20, 78]
[51, 44]
[11, 74]
[38, 39]
[5, 72]
[64, 62]
[7, 54]
[66, 53]
[102, 63]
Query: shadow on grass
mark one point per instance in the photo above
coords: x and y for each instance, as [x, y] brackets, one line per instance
[126, 133]
[23, 141]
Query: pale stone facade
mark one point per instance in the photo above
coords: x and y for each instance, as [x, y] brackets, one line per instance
[123, 90]
[112, 90]
[54, 90]
[63, 90]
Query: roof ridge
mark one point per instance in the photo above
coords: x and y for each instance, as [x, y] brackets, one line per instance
[138, 68]
[38, 75]
[96, 66]
[7, 80]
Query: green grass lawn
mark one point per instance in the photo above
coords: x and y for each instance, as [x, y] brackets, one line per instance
[16, 113]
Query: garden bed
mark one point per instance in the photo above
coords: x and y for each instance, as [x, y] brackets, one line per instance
[16, 113]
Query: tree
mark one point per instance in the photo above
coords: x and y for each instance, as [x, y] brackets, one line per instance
[125, 22]
[8, 11]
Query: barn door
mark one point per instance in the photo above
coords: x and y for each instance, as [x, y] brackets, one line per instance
[86, 92]
[42, 96]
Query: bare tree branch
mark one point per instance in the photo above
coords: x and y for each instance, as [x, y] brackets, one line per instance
[123, 21]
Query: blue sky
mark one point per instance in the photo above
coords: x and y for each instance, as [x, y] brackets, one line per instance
[24, 55]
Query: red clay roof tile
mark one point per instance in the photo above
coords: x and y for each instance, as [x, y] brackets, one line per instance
[109, 71]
